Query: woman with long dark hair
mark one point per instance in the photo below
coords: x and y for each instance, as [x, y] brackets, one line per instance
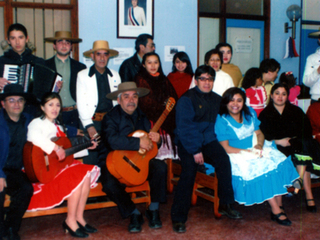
[72, 182]
[259, 171]
[151, 77]
[182, 73]
[289, 127]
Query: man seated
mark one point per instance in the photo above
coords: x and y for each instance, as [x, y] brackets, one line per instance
[122, 120]
[196, 114]
[14, 182]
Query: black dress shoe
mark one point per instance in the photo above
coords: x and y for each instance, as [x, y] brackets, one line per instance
[276, 217]
[87, 228]
[179, 227]
[136, 221]
[154, 219]
[227, 209]
[313, 208]
[78, 233]
[11, 235]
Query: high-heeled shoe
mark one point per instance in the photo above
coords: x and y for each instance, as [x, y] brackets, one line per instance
[297, 184]
[87, 228]
[78, 233]
[276, 217]
[313, 208]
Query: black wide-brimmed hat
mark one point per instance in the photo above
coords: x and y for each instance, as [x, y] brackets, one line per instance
[16, 90]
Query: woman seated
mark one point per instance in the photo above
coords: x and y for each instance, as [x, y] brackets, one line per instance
[182, 73]
[151, 76]
[290, 129]
[72, 182]
[259, 171]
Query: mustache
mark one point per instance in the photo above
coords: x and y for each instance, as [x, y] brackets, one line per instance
[131, 105]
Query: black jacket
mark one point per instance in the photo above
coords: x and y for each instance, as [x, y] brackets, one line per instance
[116, 126]
[75, 68]
[129, 68]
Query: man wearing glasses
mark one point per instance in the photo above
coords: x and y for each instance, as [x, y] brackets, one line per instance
[14, 182]
[196, 113]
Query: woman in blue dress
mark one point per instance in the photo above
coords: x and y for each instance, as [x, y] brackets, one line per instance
[259, 171]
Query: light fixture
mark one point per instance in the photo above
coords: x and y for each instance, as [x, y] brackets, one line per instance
[293, 13]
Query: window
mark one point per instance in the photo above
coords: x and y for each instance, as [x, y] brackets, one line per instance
[41, 18]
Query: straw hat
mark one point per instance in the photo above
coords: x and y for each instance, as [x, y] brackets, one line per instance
[128, 86]
[58, 35]
[314, 34]
[101, 45]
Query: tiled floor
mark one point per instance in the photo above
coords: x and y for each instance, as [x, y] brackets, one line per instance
[200, 225]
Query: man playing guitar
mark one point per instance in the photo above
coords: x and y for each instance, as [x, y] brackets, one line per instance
[117, 124]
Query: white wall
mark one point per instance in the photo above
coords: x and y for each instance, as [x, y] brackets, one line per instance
[175, 23]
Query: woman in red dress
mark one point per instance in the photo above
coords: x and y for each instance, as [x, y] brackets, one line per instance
[73, 182]
[182, 73]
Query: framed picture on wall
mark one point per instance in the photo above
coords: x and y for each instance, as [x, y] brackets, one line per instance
[134, 18]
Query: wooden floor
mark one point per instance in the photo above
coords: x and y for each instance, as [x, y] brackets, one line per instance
[200, 225]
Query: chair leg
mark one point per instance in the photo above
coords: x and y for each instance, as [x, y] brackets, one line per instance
[194, 195]
[169, 176]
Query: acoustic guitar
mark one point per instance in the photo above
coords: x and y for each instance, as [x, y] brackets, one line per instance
[41, 167]
[132, 167]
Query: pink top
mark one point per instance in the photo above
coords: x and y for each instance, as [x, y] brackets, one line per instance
[293, 95]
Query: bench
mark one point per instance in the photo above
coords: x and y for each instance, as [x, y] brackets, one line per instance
[139, 194]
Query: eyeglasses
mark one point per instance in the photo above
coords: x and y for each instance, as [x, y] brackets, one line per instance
[204, 79]
[13, 101]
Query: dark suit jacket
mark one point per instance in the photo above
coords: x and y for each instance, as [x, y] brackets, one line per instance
[75, 68]
[129, 68]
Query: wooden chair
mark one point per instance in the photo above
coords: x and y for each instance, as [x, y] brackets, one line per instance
[139, 194]
[203, 182]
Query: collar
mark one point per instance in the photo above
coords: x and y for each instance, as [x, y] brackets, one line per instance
[12, 54]
[93, 70]
[59, 60]
[139, 58]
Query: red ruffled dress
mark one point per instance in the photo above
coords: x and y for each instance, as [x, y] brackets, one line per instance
[49, 195]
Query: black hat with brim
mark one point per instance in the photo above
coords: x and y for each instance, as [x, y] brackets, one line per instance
[16, 90]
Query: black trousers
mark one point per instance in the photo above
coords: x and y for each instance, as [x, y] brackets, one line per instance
[215, 155]
[20, 190]
[116, 191]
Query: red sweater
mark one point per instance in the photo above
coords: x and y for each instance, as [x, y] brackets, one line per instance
[180, 81]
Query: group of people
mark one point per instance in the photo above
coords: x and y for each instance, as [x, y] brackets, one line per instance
[256, 151]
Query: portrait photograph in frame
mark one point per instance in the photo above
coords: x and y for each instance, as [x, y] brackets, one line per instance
[134, 18]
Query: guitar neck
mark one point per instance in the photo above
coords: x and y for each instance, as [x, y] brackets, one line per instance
[77, 148]
[158, 124]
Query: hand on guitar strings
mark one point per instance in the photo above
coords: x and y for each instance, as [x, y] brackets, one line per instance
[154, 136]
[146, 143]
[60, 152]
[94, 144]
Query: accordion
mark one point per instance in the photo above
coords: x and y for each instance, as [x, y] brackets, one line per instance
[34, 78]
